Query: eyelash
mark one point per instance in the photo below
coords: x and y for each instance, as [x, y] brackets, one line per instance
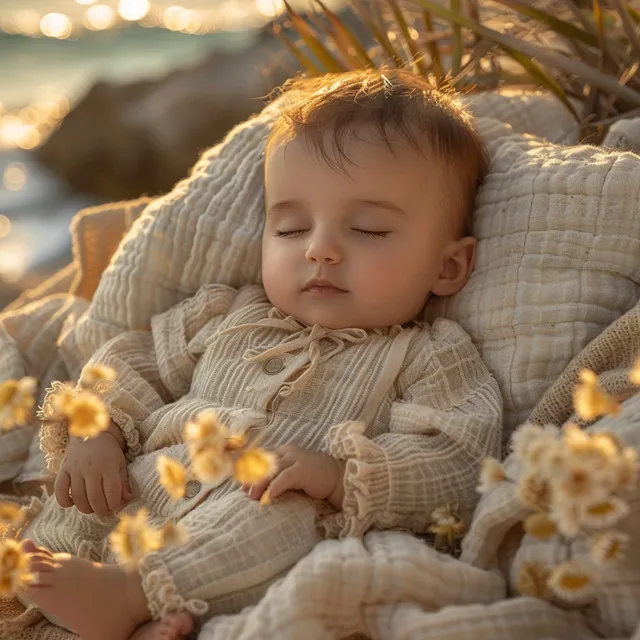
[295, 234]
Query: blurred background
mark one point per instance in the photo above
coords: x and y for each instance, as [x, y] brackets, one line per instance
[103, 100]
[108, 100]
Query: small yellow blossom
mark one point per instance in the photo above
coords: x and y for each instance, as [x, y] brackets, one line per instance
[211, 465]
[14, 568]
[96, 373]
[579, 483]
[532, 581]
[448, 525]
[634, 375]
[236, 441]
[608, 547]
[87, 415]
[605, 514]
[17, 400]
[567, 514]
[571, 582]
[491, 475]
[11, 514]
[60, 401]
[173, 476]
[528, 434]
[205, 431]
[534, 491]
[253, 466]
[133, 539]
[540, 525]
[597, 450]
[266, 498]
[173, 535]
[589, 401]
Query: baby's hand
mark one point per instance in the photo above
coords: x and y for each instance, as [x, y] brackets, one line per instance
[317, 474]
[93, 475]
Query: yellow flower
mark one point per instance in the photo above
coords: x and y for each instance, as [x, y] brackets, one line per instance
[604, 514]
[16, 402]
[173, 535]
[532, 581]
[87, 414]
[528, 434]
[96, 373]
[448, 525]
[14, 568]
[173, 476]
[534, 491]
[580, 484]
[571, 582]
[236, 441]
[609, 547]
[491, 475]
[589, 401]
[540, 525]
[60, 401]
[10, 514]
[133, 539]
[253, 466]
[211, 465]
[266, 498]
[597, 451]
[634, 375]
[205, 432]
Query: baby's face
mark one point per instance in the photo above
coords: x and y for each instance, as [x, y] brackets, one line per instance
[363, 248]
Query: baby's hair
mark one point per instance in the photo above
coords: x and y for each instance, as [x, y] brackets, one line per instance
[390, 101]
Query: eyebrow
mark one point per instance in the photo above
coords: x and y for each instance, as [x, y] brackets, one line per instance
[287, 205]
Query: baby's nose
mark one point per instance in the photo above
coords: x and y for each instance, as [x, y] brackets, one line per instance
[323, 253]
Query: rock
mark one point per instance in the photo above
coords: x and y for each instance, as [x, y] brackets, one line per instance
[123, 141]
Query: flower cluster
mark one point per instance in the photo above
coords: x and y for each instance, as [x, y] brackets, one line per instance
[215, 454]
[448, 527]
[575, 484]
[17, 400]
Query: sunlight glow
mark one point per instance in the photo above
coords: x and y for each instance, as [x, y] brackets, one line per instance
[177, 18]
[13, 261]
[5, 226]
[27, 22]
[270, 8]
[86, 1]
[133, 10]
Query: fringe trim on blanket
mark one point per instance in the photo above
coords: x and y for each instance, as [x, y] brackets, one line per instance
[54, 437]
[129, 431]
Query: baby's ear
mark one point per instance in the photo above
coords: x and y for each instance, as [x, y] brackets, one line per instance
[458, 259]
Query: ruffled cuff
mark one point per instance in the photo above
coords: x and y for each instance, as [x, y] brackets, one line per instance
[129, 431]
[54, 436]
[161, 592]
[366, 484]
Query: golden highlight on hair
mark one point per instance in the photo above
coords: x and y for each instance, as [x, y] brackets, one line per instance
[391, 104]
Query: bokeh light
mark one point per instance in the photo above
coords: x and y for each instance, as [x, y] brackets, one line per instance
[13, 261]
[15, 177]
[270, 8]
[5, 226]
[133, 10]
[86, 1]
[56, 25]
[27, 22]
[100, 17]
[177, 18]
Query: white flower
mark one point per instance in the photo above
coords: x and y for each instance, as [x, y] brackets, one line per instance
[491, 474]
[609, 547]
[606, 513]
[571, 582]
[523, 438]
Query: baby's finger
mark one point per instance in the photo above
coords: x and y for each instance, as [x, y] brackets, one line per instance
[288, 480]
[95, 495]
[256, 490]
[61, 488]
[79, 495]
[112, 488]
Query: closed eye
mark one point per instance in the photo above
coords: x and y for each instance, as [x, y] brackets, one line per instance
[289, 234]
[372, 234]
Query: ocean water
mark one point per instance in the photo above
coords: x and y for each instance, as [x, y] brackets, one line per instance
[45, 73]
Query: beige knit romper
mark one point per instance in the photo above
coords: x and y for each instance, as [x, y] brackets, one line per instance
[413, 410]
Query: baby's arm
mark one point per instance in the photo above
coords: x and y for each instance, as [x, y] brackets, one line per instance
[153, 368]
[447, 420]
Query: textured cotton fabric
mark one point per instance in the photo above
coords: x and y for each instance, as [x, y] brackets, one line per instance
[411, 410]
